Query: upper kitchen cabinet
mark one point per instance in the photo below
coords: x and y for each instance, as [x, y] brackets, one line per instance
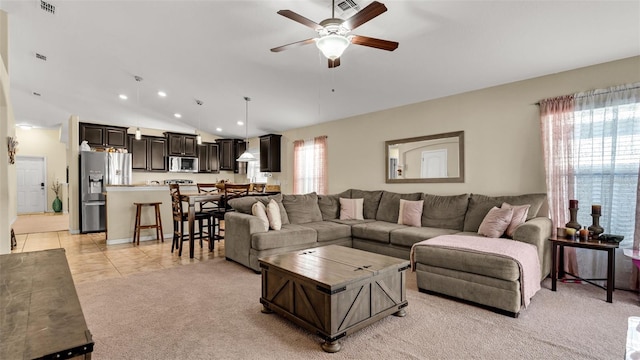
[103, 136]
[182, 145]
[148, 154]
[230, 149]
[270, 153]
[208, 161]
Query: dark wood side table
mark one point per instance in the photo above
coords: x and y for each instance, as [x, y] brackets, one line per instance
[557, 267]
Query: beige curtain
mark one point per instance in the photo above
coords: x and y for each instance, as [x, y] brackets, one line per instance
[310, 166]
[557, 121]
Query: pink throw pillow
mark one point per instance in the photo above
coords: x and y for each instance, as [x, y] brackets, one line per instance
[520, 213]
[351, 209]
[410, 212]
[495, 222]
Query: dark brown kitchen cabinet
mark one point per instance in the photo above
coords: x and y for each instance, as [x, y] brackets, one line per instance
[102, 136]
[230, 149]
[208, 161]
[149, 153]
[182, 145]
[270, 153]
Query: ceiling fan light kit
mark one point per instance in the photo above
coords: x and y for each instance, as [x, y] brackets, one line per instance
[333, 35]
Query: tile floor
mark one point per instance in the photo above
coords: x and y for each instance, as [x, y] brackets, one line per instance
[91, 259]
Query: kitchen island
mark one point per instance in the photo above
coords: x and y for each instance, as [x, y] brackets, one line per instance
[121, 211]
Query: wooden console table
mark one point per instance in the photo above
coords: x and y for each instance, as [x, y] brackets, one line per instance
[41, 314]
[557, 260]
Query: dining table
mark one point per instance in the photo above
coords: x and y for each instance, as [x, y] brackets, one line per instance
[193, 198]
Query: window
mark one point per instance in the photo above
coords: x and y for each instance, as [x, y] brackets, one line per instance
[310, 166]
[253, 169]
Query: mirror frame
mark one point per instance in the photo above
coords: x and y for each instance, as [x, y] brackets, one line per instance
[458, 179]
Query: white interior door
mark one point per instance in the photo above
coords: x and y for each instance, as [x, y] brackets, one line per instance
[434, 164]
[31, 187]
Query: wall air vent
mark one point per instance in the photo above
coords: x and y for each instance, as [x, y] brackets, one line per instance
[41, 57]
[48, 7]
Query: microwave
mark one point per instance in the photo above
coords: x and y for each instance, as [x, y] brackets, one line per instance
[183, 164]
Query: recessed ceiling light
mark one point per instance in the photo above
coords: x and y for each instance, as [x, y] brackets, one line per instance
[218, 129]
[240, 123]
[162, 94]
[177, 115]
[123, 96]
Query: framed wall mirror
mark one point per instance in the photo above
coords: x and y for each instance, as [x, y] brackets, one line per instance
[435, 158]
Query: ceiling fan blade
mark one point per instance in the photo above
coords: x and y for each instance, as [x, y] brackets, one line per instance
[301, 19]
[334, 63]
[374, 43]
[372, 10]
[292, 45]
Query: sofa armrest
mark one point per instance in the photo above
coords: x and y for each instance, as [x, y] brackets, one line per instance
[238, 228]
[537, 231]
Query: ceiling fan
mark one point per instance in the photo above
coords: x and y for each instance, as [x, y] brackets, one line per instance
[333, 32]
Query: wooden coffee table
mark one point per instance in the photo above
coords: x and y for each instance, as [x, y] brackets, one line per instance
[333, 290]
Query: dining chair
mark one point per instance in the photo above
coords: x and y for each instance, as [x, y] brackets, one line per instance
[231, 191]
[179, 219]
[209, 207]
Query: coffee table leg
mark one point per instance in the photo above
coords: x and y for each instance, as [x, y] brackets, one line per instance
[266, 310]
[400, 313]
[331, 346]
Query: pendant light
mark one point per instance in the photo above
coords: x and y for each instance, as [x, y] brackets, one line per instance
[138, 133]
[246, 155]
[198, 136]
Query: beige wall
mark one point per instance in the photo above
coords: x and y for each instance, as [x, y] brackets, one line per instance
[46, 143]
[503, 151]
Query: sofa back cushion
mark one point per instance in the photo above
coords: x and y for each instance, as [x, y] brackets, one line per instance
[479, 206]
[444, 212]
[371, 201]
[302, 209]
[244, 204]
[390, 205]
[330, 205]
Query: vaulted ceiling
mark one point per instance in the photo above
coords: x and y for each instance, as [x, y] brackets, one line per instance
[218, 52]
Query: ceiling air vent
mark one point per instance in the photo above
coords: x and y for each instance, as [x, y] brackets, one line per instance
[36, 93]
[48, 7]
[348, 4]
[41, 57]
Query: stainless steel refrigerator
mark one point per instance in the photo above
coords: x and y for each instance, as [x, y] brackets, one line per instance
[97, 170]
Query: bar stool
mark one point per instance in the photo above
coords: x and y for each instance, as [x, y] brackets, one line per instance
[157, 225]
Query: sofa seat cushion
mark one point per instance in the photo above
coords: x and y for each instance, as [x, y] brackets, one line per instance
[469, 262]
[288, 235]
[329, 230]
[411, 235]
[352, 222]
[375, 230]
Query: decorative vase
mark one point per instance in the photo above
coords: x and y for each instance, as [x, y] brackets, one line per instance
[573, 212]
[595, 230]
[57, 204]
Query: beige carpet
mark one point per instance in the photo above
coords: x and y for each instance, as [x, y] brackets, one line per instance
[37, 223]
[211, 310]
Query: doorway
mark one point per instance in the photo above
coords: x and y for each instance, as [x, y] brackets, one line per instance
[30, 172]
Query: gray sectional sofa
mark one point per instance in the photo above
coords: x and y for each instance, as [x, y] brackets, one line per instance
[312, 220]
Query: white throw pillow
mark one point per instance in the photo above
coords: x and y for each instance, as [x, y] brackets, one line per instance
[273, 214]
[410, 212]
[495, 222]
[258, 209]
[351, 209]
